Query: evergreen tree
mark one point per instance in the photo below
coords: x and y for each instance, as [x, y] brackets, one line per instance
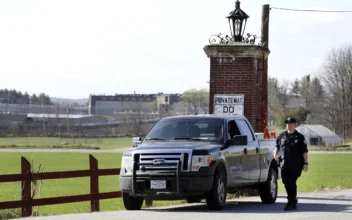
[295, 88]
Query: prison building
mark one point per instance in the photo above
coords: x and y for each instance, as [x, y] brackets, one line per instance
[107, 105]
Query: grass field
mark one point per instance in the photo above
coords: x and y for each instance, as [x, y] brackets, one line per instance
[44, 142]
[52, 162]
[102, 143]
[347, 147]
[327, 170]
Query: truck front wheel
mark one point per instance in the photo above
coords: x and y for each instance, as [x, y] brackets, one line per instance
[216, 198]
[132, 203]
[268, 190]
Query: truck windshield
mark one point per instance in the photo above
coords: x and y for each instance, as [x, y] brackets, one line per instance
[187, 129]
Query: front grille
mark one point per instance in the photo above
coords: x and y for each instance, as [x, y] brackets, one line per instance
[162, 162]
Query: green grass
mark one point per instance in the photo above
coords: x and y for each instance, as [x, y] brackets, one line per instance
[100, 143]
[327, 170]
[10, 164]
[347, 147]
[44, 142]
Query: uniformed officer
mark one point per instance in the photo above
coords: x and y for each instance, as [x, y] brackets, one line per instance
[292, 155]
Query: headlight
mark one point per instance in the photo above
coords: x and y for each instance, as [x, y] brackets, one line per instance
[127, 163]
[200, 161]
[127, 153]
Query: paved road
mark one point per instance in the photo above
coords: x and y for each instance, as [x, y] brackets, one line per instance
[47, 150]
[322, 205]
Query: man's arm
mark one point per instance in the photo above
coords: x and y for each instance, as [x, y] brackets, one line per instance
[277, 150]
[305, 155]
[305, 167]
[304, 148]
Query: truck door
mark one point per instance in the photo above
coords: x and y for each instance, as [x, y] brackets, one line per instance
[234, 157]
[251, 165]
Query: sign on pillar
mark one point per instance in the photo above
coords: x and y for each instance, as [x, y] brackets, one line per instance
[229, 104]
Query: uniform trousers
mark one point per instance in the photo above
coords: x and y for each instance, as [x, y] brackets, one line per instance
[289, 179]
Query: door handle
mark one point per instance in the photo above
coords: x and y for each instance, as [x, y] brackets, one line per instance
[245, 151]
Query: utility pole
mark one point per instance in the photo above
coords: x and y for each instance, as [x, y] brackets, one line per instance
[265, 25]
[265, 39]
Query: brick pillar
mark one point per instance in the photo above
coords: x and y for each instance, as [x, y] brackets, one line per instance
[237, 68]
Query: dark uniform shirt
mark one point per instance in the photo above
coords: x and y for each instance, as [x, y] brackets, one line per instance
[291, 148]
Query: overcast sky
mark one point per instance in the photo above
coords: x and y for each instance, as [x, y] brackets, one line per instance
[71, 48]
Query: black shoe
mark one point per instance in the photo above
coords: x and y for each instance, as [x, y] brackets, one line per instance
[295, 204]
[290, 206]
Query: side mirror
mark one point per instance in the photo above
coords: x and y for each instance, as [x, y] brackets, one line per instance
[238, 140]
[136, 141]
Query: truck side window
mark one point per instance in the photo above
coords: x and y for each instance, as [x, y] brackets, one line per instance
[233, 129]
[246, 130]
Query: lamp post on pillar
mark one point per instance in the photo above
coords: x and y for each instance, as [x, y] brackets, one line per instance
[237, 22]
[236, 71]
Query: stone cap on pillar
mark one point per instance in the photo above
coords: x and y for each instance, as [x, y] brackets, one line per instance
[236, 50]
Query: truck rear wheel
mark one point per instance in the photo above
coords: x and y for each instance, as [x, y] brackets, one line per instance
[216, 198]
[268, 190]
[132, 203]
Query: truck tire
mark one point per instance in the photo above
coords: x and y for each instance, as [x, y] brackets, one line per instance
[268, 190]
[216, 198]
[193, 199]
[132, 203]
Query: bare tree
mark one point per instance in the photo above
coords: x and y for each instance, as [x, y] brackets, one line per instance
[314, 99]
[134, 122]
[278, 99]
[305, 104]
[273, 106]
[196, 101]
[283, 95]
[154, 106]
[336, 76]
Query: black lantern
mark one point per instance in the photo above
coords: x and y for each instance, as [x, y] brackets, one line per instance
[236, 19]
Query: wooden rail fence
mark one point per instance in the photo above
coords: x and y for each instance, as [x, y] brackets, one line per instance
[27, 176]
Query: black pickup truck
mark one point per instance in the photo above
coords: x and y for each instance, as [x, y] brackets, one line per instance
[198, 157]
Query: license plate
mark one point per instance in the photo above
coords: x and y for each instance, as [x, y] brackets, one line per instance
[158, 184]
